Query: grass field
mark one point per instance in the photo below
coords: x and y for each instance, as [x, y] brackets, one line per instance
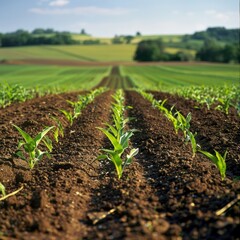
[172, 76]
[92, 53]
[69, 78]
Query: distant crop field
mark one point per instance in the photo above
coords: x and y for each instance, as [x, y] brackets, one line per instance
[96, 53]
[172, 76]
[92, 53]
[69, 78]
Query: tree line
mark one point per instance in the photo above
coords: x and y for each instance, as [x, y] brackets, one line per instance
[24, 38]
[211, 51]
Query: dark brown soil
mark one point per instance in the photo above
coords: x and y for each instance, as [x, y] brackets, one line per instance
[77, 63]
[116, 81]
[164, 194]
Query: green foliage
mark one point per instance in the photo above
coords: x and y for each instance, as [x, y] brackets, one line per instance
[225, 96]
[28, 149]
[149, 50]
[119, 137]
[218, 160]
[213, 52]
[14, 93]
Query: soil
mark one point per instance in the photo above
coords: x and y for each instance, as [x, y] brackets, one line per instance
[115, 81]
[77, 63]
[163, 194]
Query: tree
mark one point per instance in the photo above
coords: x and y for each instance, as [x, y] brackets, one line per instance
[83, 32]
[128, 38]
[149, 50]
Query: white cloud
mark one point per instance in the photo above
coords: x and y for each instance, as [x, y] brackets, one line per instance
[81, 11]
[58, 3]
[222, 16]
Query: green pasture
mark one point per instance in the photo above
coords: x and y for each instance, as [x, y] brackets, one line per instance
[165, 77]
[65, 78]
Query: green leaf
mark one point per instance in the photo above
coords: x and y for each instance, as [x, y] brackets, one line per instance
[118, 164]
[133, 152]
[102, 157]
[19, 153]
[124, 139]
[117, 146]
[113, 130]
[40, 136]
[25, 135]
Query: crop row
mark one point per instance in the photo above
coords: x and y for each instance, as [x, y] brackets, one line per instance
[183, 123]
[17, 93]
[30, 148]
[220, 98]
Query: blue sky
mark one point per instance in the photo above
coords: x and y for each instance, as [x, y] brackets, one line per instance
[110, 17]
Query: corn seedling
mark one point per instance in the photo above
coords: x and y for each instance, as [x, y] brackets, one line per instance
[177, 119]
[191, 137]
[218, 160]
[79, 105]
[28, 147]
[59, 130]
[118, 137]
[224, 105]
[68, 115]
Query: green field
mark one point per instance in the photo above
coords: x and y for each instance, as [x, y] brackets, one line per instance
[66, 78]
[159, 77]
[92, 53]
[165, 77]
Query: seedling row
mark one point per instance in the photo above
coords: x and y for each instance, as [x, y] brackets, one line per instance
[101, 198]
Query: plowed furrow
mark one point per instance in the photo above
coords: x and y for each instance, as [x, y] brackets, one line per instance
[53, 203]
[186, 188]
[214, 129]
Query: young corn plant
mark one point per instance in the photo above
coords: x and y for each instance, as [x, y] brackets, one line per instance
[177, 119]
[79, 105]
[218, 160]
[119, 137]
[59, 130]
[28, 149]
[191, 137]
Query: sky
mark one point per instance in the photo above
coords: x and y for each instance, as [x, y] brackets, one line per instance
[106, 18]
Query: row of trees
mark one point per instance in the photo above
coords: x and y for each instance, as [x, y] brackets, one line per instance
[154, 50]
[217, 33]
[24, 38]
[49, 36]
[213, 52]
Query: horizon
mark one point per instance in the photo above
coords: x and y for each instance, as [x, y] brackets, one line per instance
[108, 18]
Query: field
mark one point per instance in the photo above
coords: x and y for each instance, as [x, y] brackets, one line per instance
[120, 161]
[66, 78]
[86, 53]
